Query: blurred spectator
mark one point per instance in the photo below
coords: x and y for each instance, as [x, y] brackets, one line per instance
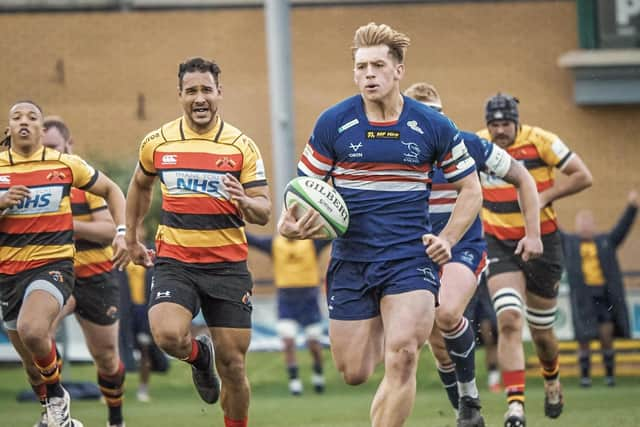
[597, 293]
[296, 274]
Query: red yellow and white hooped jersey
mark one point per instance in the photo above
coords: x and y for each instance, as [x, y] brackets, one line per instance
[92, 259]
[200, 224]
[39, 229]
[541, 152]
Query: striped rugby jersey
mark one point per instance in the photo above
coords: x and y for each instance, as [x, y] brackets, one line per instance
[540, 152]
[39, 230]
[489, 159]
[199, 223]
[382, 171]
[92, 260]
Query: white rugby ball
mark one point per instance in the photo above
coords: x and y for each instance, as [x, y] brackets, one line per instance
[313, 193]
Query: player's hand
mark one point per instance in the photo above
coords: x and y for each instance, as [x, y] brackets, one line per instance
[529, 248]
[305, 227]
[438, 249]
[235, 190]
[120, 257]
[140, 255]
[13, 196]
[632, 198]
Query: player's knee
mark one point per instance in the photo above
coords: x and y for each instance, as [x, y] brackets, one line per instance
[231, 367]
[287, 328]
[401, 362]
[510, 322]
[33, 335]
[106, 359]
[170, 339]
[313, 332]
[356, 376]
[508, 305]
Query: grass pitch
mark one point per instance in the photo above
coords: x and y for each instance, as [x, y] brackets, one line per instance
[175, 402]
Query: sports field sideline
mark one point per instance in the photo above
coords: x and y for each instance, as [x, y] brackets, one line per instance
[175, 403]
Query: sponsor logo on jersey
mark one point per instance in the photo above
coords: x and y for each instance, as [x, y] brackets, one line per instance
[5, 179]
[383, 134]
[41, 200]
[150, 138]
[193, 182]
[413, 125]
[169, 159]
[355, 148]
[348, 125]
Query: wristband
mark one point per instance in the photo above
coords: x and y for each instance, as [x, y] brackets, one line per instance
[121, 230]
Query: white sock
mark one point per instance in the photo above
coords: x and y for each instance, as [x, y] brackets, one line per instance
[468, 389]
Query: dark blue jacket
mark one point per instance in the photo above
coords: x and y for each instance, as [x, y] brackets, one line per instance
[584, 324]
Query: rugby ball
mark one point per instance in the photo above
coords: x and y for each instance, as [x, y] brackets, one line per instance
[313, 193]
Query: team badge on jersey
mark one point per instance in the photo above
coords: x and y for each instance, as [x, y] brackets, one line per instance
[226, 162]
[412, 153]
[56, 276]
[56, 175]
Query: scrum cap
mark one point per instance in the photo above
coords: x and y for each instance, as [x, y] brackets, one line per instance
[502, 107]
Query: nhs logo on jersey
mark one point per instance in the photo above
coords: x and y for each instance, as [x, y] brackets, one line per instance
[194, 182]
[42, 200]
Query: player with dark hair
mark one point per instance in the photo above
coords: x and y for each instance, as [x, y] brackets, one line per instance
[36, 247]
[212, 181]
[378, 148]
[453, 338]
[518, 285]
[96, 292]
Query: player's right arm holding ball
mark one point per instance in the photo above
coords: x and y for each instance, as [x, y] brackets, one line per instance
[292, 224]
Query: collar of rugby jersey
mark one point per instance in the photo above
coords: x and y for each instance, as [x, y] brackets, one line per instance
[37, 155]
[213, 134]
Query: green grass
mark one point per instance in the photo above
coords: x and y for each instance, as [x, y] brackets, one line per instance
[175, 402]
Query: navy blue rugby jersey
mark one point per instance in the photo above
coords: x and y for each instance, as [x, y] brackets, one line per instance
[489, 159]
[382, 172]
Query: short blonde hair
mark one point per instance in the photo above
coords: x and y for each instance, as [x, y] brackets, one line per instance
[425, 93]
[373, 34]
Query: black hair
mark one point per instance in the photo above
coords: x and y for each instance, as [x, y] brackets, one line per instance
[6, 141]
[199, 65]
